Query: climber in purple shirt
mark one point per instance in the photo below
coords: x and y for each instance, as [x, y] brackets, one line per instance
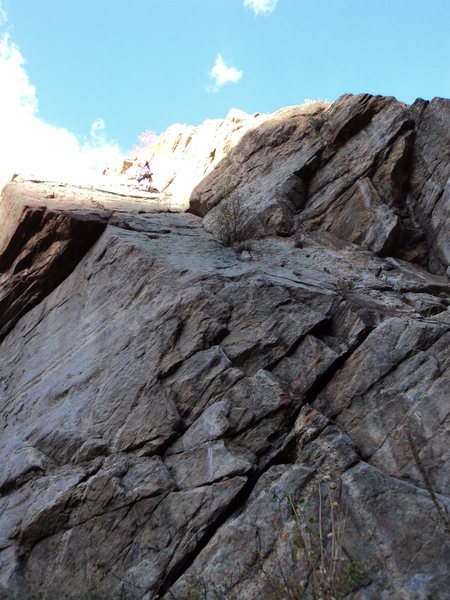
[145, 172]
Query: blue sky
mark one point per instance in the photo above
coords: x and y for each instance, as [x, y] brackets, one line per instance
[132, 65]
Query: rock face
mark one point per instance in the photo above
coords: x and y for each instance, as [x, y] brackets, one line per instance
[429, 196]
[166, 402]
[182, 156]
[367, 169]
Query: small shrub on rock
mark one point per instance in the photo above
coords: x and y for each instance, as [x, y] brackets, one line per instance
[232, 223]
[319, 549]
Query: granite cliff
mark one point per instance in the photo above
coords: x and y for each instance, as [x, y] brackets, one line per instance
[167, 401]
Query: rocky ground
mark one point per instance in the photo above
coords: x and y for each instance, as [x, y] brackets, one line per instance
[166, 401]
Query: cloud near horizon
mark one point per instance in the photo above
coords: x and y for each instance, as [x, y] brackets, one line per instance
[261, 6]
[32, 147]
[221, 74]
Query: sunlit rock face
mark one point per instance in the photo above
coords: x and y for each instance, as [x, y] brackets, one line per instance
[166, 400]
[182, 156]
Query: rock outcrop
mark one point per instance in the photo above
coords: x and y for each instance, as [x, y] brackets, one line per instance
[182, 156]
[366, 169]
[167, 401]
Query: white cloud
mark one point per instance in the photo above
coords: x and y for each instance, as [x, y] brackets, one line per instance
[29, 145]
[221, 74]
[97, 127]
[261, 6]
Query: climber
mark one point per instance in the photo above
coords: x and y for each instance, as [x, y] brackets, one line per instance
[144, 173]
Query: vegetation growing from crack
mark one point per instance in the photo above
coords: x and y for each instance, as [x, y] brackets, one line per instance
[320, 570]
[319, 551]
[232, 222]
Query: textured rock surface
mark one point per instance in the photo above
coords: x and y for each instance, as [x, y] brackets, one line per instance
[367, 169]
[45, 232]
[429, 194]
[164, 396]
[182, 156]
